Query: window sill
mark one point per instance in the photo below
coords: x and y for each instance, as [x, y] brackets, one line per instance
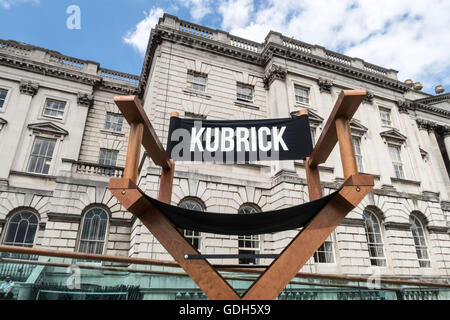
[196, 93]
[116, 133]
[406, 181]
[31, 174]
[248, 105]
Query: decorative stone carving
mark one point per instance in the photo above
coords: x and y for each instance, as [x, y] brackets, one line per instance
[85, 99]
[275, 72]
[426, 125]
[369, 97]
[325, 85]
[28, 88]
[403, 106]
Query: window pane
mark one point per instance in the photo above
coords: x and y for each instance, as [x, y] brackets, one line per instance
[395, 154]
[54, 108]
[108, 157]
[419, 242]
[301, 95]
[114, 122]
[196, 81]
[244, 92]
[3, 94]
[21, 229]
[248, 244]
[374, 239]
[325, 252]
[93, 233]
[194, 237]
[41, 156]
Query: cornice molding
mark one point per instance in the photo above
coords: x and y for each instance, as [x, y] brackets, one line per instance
[397, 226]
[262, 58]
[62, 73]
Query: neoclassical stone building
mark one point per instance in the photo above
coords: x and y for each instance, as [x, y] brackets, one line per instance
[62, 138]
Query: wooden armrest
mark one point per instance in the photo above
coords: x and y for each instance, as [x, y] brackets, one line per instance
[346, 106]
[134, 113]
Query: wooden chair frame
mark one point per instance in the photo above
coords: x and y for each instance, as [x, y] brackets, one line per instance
[282, 270]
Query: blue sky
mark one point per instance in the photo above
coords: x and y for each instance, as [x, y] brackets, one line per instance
[410, 36]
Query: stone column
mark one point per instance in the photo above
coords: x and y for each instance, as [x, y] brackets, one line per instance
[275, 83]
[13, 132]
[446, 135]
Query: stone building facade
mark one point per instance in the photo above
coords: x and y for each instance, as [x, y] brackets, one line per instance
[62, 138]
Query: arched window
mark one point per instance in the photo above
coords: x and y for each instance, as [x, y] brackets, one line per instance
[194, 237]
[420, 242]
[21, 229]
[93, 232]
[249, 244]
[374, 239]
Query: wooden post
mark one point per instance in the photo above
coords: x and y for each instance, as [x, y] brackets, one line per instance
[133, 152]
[166, 181]
[312, 174]
[344, 135]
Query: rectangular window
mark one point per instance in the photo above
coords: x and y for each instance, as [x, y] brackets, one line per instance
[193, 237]
[3, 94]
[396, 158]
[114, 122]
[108, 157]
[248, 245]
[325, 252]
[245, 92]
[301, 95]
[41, 155]
[196, 81]
[358, 154]
[385, 115]
[54, 108]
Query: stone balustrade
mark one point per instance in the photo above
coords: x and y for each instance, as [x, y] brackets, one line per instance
[273, 37]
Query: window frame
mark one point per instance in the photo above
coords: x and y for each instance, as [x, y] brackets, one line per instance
[388, 111]
[376, 244]
[253, 209]
[192, 81]
[5, 99]
[196, 235]
[308, 98]
[6, 229]
[116, 152]
[241, 96]
[80, 239]
[423, 247]
[358, 156]
[114, 123]
[30, 156]
[44, 108]
[395, 162]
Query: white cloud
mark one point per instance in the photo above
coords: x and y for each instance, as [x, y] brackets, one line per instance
[138, 38]
[6, 4]
[235, 13]
[198, 8]
[410, 36]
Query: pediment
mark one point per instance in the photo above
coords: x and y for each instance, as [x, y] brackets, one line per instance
[393, 135]
[314, 118]
[357, 127]
[48, 127]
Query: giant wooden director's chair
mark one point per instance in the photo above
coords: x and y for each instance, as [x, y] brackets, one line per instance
[283, 269]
